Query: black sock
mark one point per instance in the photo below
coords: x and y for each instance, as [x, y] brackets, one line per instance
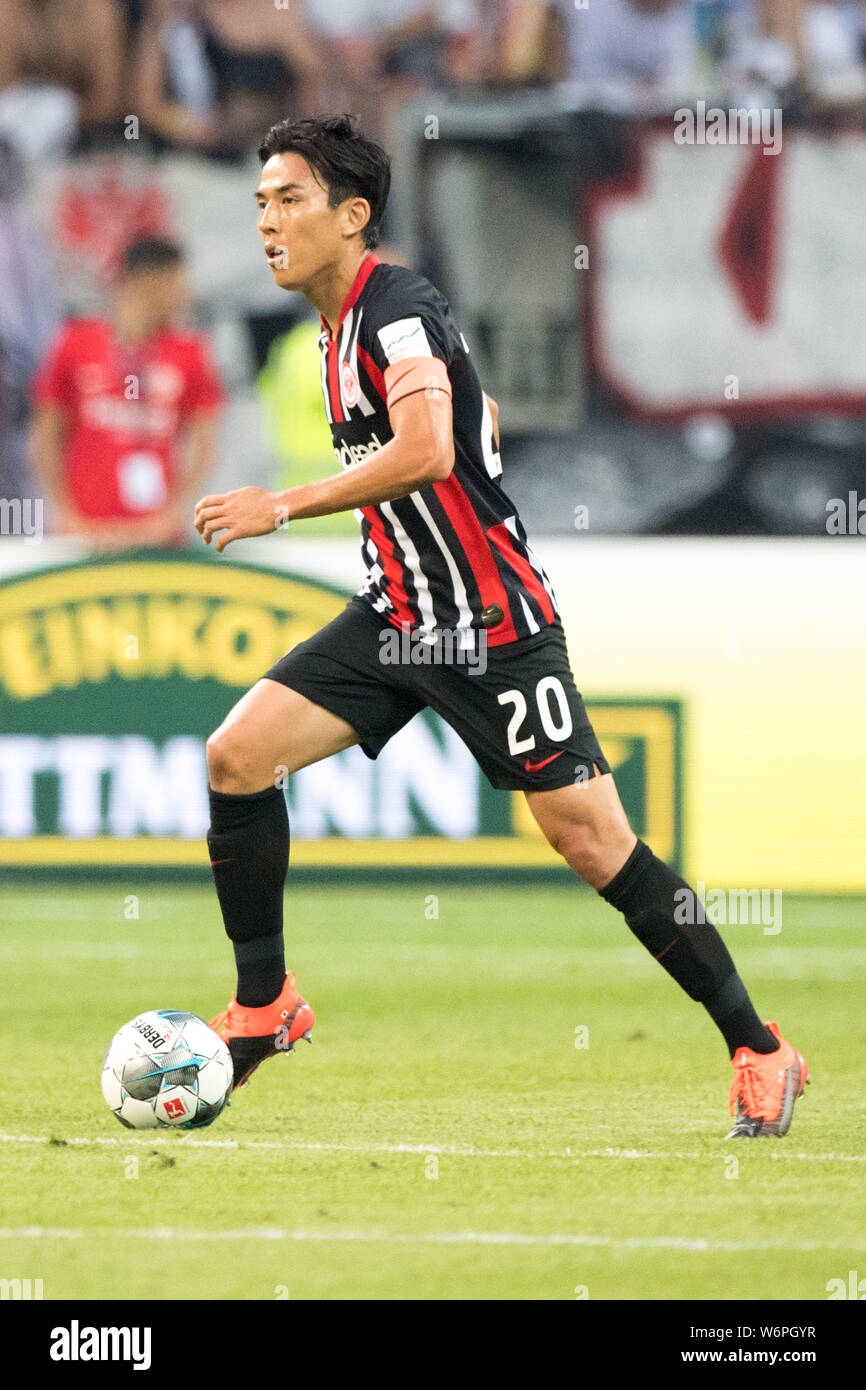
[249, 851]
[655, 903]
[733, 1012]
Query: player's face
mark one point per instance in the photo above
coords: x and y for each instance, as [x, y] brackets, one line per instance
[159, 295]
[168, 291]
[300, 232]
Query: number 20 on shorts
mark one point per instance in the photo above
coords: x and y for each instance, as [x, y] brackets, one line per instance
[557, 729]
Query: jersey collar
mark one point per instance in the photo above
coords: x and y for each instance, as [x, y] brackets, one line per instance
[365, 269]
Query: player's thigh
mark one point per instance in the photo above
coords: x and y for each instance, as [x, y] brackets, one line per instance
[273, 729]
[520, 713]
[593, 802]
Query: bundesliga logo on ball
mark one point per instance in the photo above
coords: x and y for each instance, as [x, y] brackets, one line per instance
[167, 1068]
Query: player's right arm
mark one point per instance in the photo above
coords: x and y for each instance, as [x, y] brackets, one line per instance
[48, 429]
[421, 452]
[52, 393]
[410, 340]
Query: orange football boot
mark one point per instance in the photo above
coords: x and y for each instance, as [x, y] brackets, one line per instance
[764, 1088]
[254, 1035]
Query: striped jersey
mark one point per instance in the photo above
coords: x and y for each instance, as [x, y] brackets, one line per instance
[453, 554]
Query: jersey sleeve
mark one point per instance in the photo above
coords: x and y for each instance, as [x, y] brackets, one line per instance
[411, 337]
[53, 381]
[203, 388]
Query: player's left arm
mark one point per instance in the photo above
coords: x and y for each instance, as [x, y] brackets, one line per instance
[421, 452]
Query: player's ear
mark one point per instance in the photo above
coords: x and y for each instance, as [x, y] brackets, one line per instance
[356, 215]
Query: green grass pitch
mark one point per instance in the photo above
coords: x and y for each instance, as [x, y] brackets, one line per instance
[443, 1138]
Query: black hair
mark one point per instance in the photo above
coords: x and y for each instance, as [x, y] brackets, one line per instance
[349, 165]
[151, 253]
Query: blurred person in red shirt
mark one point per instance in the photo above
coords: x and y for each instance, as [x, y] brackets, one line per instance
[125, 411]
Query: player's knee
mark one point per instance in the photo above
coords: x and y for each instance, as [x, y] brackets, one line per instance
[582, 848]
[594, 850]
[229, 765]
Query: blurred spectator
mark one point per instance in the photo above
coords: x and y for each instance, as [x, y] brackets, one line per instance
[420, 48]
[117, 401]
[615, 50]
[390, 51]
[28, 317]
[215, 74]
[794, 50]
[831, 51]
[478, 57]
[764, 48]
[422, 43]
[60, 71]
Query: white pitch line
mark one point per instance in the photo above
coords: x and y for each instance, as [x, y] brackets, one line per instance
[373, 1237]
[185, 1141]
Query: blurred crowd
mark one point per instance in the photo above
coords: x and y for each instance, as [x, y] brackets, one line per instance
[210, 75]
[114, 419]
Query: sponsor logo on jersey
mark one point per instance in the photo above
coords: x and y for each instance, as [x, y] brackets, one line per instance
[404, 338]
[356, 453]
[351, 385]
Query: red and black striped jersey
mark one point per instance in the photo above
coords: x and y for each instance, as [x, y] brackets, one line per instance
[451, 555]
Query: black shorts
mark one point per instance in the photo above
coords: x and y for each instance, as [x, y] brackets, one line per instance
[515, 706]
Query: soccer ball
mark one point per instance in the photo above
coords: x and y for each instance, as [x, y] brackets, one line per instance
[166, 1068]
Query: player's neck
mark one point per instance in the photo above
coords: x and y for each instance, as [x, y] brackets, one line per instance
[328, 291]
[134, 323]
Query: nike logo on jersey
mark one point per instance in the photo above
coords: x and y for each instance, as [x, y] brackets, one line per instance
[533, 767]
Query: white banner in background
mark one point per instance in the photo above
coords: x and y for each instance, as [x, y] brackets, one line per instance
[726, 280]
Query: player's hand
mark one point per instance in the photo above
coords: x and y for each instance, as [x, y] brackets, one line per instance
[248, 511]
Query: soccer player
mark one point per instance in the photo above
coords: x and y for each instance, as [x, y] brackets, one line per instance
[446, 556]
[124, 427]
